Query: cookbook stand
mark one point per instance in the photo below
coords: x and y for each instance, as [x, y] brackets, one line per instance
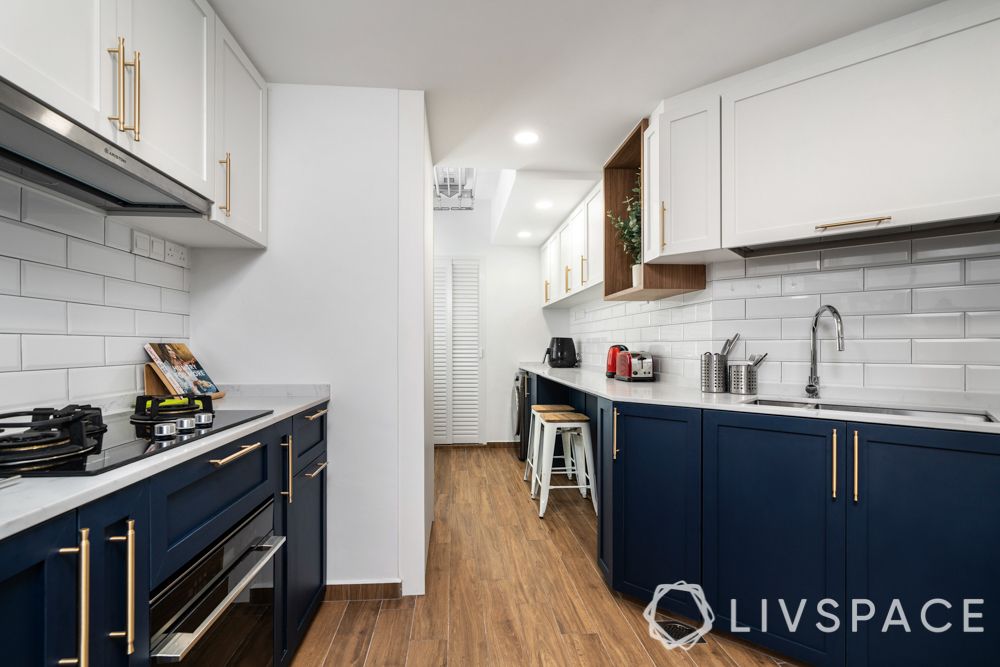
[156, 385]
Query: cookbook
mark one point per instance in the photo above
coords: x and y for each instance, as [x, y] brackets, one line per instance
[179, 370]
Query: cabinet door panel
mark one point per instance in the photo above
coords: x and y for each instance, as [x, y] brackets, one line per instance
[925, 526]
[595, 237]
[603, 459]
[773, 529]
[306, 548]
[652, 228]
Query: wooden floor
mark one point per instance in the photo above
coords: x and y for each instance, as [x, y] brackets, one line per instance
[504, 588]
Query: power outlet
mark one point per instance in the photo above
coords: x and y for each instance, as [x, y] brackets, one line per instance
[140, 243]
[176, 254]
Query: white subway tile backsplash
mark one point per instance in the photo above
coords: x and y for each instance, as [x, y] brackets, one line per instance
[925, 325]
[872, 351]
[943, 299]
[52, 282]
[10, 276]
[683, 315]
[830, 375]
[672, 332]
[117, 235]
[166, 325]
[748, 329]
[982, 378]
[740, 288]
[913, 275]
[827, 281]
[982, 325]
[32, 243]
[158, 273]
[801, 327]
[783, 306]
[788, 263]
[43, 352]
[101, 259]
[125, 350]
[892, 252]
[983, 270]
[865, 303]
[10, 200]
[968, 351]
[30, 389]
[86, 383]
[780, 350]
[722, 270]
[977, 244]
[10, 349]
[125, 294]
[904, 376]
[100, 320]
[22, 315]
[729, 309]
[698, 331]
[60, 215]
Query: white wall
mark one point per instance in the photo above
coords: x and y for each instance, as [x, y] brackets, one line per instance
[324, 304]
[76, 307]
[516, 329]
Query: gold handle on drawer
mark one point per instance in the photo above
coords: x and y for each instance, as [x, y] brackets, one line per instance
[136, 66]
[238, 454]
[228, 164]
[834, 464]
[317, 415]
[287, 444]
[663, 224]
[855, 466]
[614, 437]
[129, 633]
[546, 291]
[566, 277]
[84, 646]
[119, 53]
[849, 223]
[317, 471]
[583, 261]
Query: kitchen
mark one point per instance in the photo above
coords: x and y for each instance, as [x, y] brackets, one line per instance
[349, 251]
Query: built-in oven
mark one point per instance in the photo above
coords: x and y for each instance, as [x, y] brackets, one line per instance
[220, 609]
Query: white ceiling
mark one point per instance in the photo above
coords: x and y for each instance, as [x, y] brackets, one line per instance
[564, 190]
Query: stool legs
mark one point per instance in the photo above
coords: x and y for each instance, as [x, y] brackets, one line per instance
[588, 453]
[528, 457]
[536, 449]
[548, 450]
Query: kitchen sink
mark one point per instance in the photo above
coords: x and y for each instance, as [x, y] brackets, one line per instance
[956, 414]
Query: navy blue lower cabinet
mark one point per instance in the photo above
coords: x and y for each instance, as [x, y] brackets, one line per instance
[603, 424]
[39, 593]
[925, 526]
[305, 549]
[112, 579]
[774, 530]
[656, 457]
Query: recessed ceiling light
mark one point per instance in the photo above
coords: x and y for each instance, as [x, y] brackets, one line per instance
[524, 235]
[543, 204]
[526, 138]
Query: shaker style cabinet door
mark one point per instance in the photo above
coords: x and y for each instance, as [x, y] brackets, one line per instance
[652, 231]
[595, 238]
[306, 548]
[240, 158]
[58, 51]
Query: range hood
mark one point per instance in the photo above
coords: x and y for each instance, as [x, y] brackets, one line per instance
[40, 145]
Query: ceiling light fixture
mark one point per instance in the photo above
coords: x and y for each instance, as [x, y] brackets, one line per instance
[526, 137]
[524, 235]
[543, 204]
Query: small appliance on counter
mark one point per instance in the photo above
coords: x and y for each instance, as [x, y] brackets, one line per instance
[634, 367]
[561, 353]
[613, 351]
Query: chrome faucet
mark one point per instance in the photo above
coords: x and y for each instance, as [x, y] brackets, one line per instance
[812, 389]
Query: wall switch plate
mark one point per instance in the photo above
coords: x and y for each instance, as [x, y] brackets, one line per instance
[156, 249]
[140, 243]
[176, 254]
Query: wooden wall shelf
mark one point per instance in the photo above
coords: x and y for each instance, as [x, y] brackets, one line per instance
[658, 280]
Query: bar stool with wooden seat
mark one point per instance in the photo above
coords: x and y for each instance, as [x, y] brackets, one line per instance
[575, 431]
[534, 444]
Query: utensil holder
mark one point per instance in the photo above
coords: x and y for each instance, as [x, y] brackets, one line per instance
[742, 379]
[713, 373]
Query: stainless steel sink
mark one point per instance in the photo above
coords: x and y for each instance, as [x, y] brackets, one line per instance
[949, 414]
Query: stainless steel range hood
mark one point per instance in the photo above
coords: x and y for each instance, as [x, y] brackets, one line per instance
[42, 146]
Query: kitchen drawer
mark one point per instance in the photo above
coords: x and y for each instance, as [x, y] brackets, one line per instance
[309, 435]
[195, 503]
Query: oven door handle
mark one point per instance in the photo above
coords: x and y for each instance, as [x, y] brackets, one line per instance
[176, 645]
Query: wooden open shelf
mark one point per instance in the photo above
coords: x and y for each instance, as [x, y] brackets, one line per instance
[658, 280]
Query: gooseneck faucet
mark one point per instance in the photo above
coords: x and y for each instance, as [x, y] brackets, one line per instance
[812, 389]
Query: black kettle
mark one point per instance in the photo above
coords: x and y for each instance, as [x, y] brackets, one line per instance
[561, 353]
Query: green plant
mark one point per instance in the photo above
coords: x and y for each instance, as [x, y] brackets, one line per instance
[629, 228]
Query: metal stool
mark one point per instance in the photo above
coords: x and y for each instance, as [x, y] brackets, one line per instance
[575, 431]
[529, 460]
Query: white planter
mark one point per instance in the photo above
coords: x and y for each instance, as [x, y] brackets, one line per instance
[637, 275]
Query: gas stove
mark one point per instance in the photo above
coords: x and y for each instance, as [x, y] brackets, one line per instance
[80, 440]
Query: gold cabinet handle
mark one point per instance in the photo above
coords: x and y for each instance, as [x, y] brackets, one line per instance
[546, 291]
[566, 277]
[119, 53]
[834, 464]
[317, 471]
[83, 660]
[238, 454]
[136, 66]
[855, 466]
[287, 444]
[317, 414]
[663, 224]
[228, 164]
[129, 633]
[849, 223]
[583, 261]
[614, 437]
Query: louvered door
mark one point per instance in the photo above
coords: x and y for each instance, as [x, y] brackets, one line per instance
[458, 374]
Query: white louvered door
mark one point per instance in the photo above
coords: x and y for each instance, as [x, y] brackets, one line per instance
[458, 370]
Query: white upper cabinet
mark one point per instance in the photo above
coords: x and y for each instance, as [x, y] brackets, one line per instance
[577, 259]
[57, 50]
[594, 263]
[652, 230]
[240, 153]
[174, 86]
[895, 126]
[566, 247]
[573, 257]
[550, 269]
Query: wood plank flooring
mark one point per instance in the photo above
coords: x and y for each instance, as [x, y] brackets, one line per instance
[504, 588]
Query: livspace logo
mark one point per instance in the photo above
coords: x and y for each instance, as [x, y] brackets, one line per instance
[936, 615]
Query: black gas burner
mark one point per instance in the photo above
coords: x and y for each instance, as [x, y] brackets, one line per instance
[177, 409]
[46, 438]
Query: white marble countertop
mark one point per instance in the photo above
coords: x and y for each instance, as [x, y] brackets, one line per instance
[29, 501]
[593, 381]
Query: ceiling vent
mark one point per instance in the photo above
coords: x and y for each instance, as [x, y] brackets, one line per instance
[454, 188]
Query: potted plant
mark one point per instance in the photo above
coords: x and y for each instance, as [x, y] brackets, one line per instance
[629, 230]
